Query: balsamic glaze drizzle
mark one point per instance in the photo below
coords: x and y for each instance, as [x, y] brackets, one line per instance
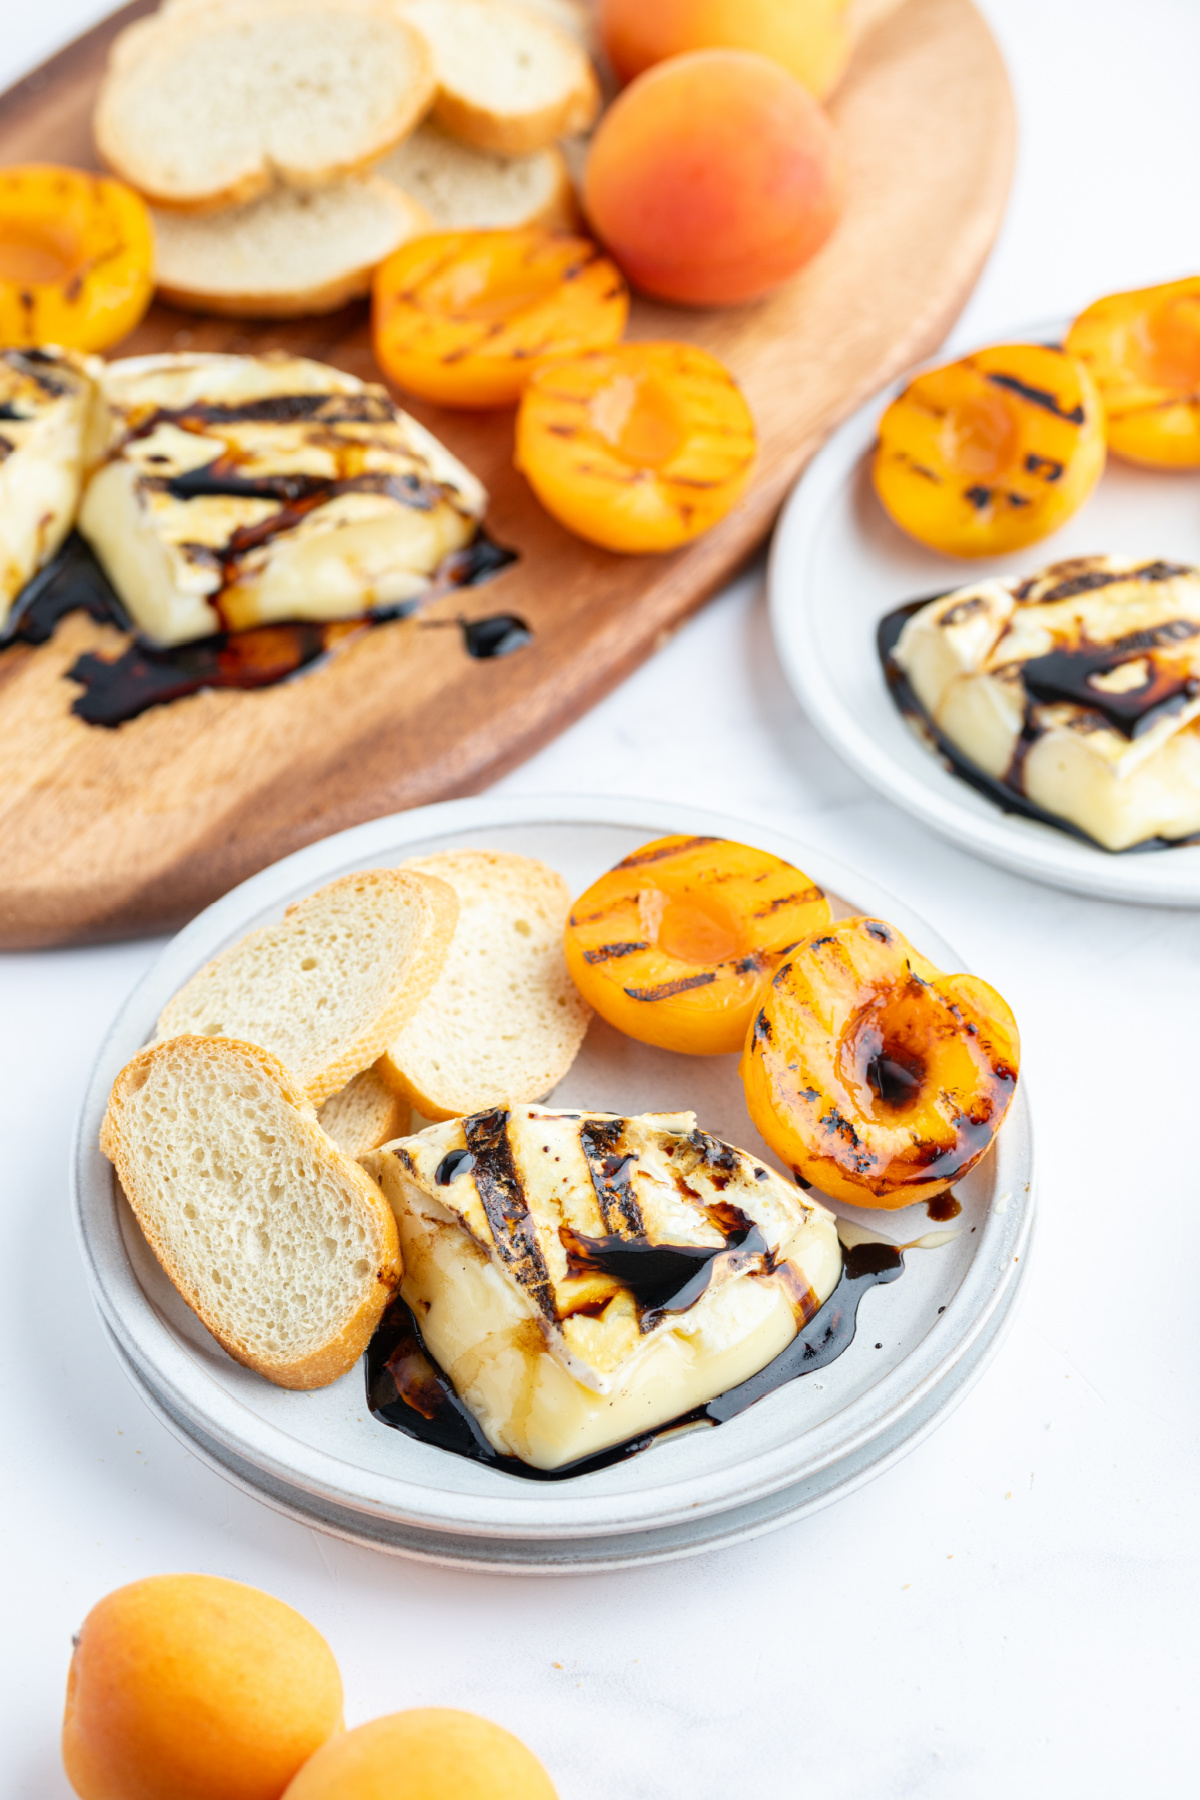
[1004, 794]
[408, 1391]
[146, 675]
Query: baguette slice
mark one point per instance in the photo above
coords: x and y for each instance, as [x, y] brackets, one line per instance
[504, 1021]
[365, 1114]
[508, 78]
[211, 106]
[280, 1244]
[328, 987]
[286, 255]
[464, 189]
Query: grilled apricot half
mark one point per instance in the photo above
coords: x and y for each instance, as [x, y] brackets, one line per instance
[993, 452]
[76, 258]
[464, 317]
[1143, 351]
[874, 1076]
[639, 448]
[673, 946]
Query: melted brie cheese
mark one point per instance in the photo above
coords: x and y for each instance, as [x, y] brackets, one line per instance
[558, 1361]
[246, 490]
[46, 406]
[1079, 687]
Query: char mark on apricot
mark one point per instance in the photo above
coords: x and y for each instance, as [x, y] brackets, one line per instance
[667, 990]
[803, 898]
[1049, 467]
[978, 496]
[1037, 396]
[502, 1195]
[658, 853]
[606, 952]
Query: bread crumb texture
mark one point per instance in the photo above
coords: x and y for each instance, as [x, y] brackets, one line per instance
[329, 986]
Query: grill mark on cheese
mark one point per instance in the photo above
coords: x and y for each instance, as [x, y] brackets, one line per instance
[502, 1196]
[609, 1168]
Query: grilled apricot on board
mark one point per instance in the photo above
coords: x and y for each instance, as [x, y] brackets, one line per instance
[190, 1687]
[1143, 351]
[463, 317]
[871, 1074]
[673, 946]
[76, 258]
[638, 448]
[811, 38]
[713, 177]
[993, 452]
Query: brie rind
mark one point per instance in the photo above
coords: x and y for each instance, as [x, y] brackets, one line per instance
[1124, 638]
[246, 490]
[46, 405]
[555, 1365]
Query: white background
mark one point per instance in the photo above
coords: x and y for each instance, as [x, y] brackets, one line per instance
[1013, 1609]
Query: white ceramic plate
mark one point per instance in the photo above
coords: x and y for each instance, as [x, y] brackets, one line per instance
[323, 1457]
[838, 565]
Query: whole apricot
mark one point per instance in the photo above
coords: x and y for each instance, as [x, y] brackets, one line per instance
[430, 1753]
[713, 177]
[811, 38]
[188, 1687]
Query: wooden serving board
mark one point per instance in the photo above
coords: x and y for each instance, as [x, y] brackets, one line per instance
[108, 833]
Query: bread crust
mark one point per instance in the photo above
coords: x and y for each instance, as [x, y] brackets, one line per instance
[334, 1358]
[173, 33]
[517, 134]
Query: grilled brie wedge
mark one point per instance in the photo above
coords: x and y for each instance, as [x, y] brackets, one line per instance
[582, 1279]
[246, 490]
[1078, 687]
[46, 408]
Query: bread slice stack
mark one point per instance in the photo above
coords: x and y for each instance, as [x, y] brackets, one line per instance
[274, 139]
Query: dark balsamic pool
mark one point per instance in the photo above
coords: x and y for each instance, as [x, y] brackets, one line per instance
[408, 1391]
[146, 675]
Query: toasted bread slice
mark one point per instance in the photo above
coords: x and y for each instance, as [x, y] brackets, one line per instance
[211, 106]
[366, 1113]
[331, 985]
[286, 255]
[504, 1021]
[464, 189]
[508, 78]
[280, 1243]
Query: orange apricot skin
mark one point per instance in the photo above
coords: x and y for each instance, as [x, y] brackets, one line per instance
[190, 1687]
[852, 993]
[579, 426]
[1143, 351]
[626, 940]
[429, 1753]
[94, 240]
[811, 38]
[993, 452]
[713, 178]
[463, 318]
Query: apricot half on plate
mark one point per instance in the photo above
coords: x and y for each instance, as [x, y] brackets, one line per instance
[991, 453]
[871, 1074]
[76, 258]
[639, 448]
[674, 944]
[464, 317]
[1143, 351]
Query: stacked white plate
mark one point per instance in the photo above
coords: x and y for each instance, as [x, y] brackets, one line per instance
[321, 1457]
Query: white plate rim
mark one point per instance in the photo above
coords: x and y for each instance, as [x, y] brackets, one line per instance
[998, 1265]
[1166, 878]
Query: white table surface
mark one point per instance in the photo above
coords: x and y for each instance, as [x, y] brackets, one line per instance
[1013, 1609]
